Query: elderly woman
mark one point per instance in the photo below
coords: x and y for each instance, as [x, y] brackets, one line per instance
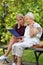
[20, 28]
[31, 37]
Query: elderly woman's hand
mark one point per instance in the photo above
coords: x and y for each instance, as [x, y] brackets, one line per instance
[31, 31]
[34, 31]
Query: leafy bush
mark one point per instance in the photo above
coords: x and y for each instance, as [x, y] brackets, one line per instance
[10, 8]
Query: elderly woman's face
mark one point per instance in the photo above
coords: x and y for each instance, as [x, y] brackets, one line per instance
[20, 20]
[27, 19]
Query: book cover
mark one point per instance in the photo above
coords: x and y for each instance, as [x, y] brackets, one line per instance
[13, 31]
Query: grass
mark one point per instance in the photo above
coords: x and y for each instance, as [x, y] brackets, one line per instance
[28, 56]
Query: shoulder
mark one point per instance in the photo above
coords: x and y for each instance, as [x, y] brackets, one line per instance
[37, 25]
[27, 27]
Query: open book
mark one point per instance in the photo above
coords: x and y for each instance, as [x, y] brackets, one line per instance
[13, 31]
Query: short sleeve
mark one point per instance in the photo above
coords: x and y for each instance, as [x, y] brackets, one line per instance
[40, 33]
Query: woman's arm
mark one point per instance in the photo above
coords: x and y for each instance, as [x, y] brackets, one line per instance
[34, 31]
[20, 37]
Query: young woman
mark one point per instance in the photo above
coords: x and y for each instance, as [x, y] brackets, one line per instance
[31, 37]
[20, 28]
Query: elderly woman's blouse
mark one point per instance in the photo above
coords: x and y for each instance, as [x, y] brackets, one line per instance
[36, 38]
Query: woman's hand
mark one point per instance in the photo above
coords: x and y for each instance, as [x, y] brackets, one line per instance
[21, 37]
[19, 40]
[34, 31]
[31, 31]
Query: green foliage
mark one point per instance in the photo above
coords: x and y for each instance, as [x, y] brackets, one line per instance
[13, 8]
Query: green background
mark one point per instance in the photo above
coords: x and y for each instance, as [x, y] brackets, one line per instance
[13, 8]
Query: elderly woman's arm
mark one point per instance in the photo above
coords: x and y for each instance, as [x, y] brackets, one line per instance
[34, 31]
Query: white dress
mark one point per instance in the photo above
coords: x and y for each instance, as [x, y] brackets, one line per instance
[17, 48]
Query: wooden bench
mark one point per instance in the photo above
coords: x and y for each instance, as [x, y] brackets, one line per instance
[35, 50]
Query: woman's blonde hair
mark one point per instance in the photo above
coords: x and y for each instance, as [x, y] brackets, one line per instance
[20, 15]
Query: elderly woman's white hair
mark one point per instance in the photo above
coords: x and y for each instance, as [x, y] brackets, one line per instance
[21, 15]
[30, 15]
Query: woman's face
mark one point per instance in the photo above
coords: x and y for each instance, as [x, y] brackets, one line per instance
[20, 20]
[27, 20]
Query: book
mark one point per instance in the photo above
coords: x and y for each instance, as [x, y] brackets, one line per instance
[14, 32]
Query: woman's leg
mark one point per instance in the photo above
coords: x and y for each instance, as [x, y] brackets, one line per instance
[19, 60]
[18, 51]
[13, 60]
[12, 41]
